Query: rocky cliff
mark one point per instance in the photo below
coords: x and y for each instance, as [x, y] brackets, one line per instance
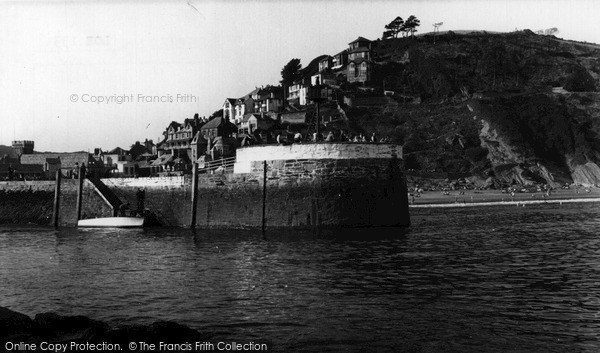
[510, 108]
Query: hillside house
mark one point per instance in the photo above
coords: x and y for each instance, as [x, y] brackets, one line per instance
[163, 163]
[126, 168]
[252, 122]
[217, 127]
[297, 93]
[340, 60]
[178, 137]
[243, 106]
[325, 63]
[229, 109]
[268, 99]
[323, 78]
[359, 60]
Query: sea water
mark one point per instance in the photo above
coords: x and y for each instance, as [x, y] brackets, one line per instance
[491, 279]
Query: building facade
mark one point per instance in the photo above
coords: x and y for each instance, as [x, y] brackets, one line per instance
[359, 60]
[23, 147]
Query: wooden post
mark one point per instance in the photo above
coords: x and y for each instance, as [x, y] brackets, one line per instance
[318, 127]
[264, 208]
[56, 198]
[81, 176]
[194, 194]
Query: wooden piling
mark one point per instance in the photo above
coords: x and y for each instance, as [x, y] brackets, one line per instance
[81, 177]
[56, 199]
[194, 194]
[264, 199]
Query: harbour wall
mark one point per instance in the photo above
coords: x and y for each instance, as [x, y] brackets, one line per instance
[31, 202]
[350, 185]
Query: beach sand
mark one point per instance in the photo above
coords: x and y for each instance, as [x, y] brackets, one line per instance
[496, 197]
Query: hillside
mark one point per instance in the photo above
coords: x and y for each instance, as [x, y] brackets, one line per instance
[504, 108]
[7, 150]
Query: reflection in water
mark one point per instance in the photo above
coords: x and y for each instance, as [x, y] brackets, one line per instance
[493, 279]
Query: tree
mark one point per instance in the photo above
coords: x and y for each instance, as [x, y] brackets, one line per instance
[216, 114]
[388, 34]
[411, 24]
[291, 72]
[393, 28]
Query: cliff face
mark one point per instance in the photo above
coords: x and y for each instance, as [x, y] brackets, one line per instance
[541, 137]
[516, 108]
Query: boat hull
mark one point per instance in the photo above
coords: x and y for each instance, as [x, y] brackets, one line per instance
[112, 222]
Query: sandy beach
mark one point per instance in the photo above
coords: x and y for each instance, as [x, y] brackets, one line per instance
[496, 197]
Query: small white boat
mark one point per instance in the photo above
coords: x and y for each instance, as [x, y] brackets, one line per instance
[112, 222]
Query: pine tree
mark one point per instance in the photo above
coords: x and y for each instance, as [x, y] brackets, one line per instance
[411, 25]
[393, 28]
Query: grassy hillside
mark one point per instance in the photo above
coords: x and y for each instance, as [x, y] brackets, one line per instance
[514, 107]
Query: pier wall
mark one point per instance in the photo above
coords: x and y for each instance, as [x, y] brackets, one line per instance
[25, 202]
[353, 185]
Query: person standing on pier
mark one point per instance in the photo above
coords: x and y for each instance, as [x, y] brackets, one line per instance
[141, 195]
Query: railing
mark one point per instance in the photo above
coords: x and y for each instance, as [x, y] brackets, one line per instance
[226, 165]
[161, 217]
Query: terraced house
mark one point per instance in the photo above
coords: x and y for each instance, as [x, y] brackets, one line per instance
[179, 136]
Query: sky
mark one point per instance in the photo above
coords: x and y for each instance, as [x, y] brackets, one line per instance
[76, 75]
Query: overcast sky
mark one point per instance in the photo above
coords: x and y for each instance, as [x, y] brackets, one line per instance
[57, 58]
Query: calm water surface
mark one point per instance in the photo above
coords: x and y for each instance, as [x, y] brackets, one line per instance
[462, 280]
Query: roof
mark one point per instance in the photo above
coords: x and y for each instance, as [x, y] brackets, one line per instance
[67, 160]
[22, 168]
[9, 160]
[53, 160]
[144, 164]
[199, 138]
[212, 124]
[360, 39]
[162, 160]
[28, 168]
[174, 124]
[327, 57]
[253, 92]
[116, 150]
[231, 100]
[247, 117]
[193, 122]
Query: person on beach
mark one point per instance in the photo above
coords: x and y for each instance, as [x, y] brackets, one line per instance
[373, 138]
[329, 137]
[343, 137]
[298, 137]
[123, 209]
